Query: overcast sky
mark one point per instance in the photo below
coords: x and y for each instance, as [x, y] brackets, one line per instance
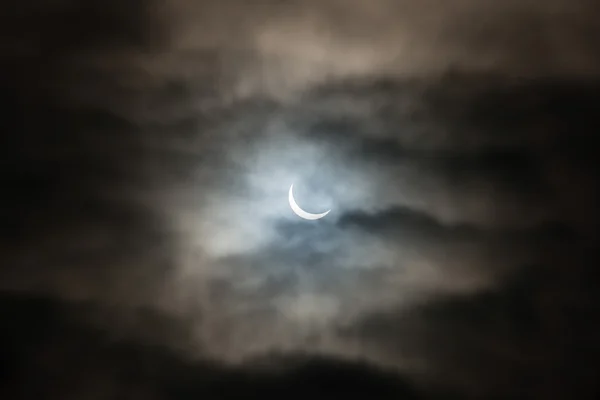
[149, 148]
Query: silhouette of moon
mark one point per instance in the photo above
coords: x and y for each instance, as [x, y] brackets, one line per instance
[299, 211]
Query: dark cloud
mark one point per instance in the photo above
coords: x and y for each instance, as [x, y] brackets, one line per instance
[49, 351]
[521, 340]
[147, 154]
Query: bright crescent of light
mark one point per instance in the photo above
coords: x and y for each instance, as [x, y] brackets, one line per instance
[300, 212]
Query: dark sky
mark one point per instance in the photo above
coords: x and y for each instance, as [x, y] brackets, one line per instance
[147, 248]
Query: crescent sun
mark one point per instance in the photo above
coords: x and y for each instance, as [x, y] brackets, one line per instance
[299, 211]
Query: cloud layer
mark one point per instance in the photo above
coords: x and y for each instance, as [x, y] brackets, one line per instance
[148, 161]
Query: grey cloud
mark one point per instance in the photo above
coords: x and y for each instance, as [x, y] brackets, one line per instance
[287, 46]
[513, 330]
[153, 172]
